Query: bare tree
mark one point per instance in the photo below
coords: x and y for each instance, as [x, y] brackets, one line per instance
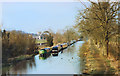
[99, 22]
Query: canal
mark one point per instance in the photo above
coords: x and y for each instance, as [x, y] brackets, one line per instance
[67, 62]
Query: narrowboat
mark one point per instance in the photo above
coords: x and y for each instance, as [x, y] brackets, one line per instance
[55, 50]
[64, 45]
[45, 52]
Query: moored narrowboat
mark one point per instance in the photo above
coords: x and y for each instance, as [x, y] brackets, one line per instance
[64, 45]
[55, 50]
[42, 52]
[45, 52]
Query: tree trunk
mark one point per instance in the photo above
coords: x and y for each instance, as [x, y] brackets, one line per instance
[107, 44]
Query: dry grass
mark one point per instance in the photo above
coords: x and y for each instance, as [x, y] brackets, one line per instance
[96, 63]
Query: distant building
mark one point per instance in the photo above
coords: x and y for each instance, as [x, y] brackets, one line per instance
[39, 36]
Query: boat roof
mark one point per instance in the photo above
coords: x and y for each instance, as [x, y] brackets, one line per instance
[46, 48]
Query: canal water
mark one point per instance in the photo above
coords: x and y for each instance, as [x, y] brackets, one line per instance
[67, 62]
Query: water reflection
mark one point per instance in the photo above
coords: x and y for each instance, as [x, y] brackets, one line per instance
[70, 50]
[67, 62]
[42, 58]
[20, 67]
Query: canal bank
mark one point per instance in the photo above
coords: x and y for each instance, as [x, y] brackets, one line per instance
[12, 61]
[67, 62]
[97, 64]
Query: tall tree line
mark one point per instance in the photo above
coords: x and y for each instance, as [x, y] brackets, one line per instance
[67, 35]
[16, 43]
